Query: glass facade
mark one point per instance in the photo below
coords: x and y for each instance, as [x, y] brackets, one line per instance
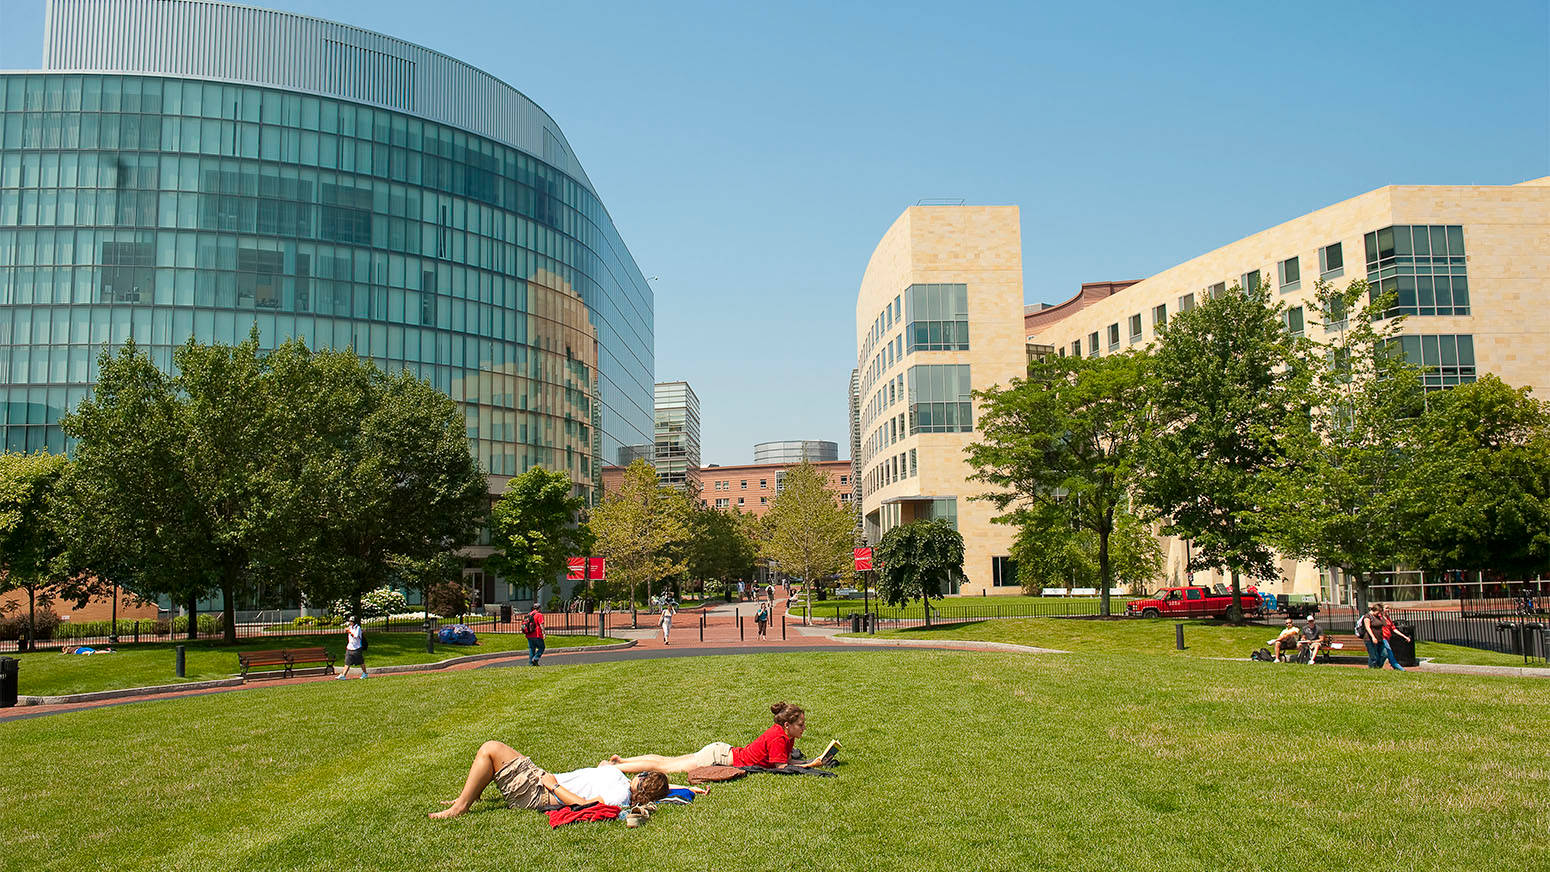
[1423, 264]
[939, 400]
[937, 318]
[1447, 359]
[161, 208]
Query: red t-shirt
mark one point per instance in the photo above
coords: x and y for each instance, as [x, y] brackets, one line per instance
[538, 625]
[773, 748]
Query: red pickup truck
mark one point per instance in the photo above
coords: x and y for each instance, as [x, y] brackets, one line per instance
[1192, 602]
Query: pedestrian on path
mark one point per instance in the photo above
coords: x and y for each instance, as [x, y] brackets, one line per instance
[762, 618]
[669, 608]
[1370, 629]
[1390, 630]
[533, 629]
[354, 647]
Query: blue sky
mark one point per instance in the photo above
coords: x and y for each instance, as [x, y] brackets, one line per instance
[753, 154]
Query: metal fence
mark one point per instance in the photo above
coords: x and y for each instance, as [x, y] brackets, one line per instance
[894, 618]
[1521, 635]
[98, 633]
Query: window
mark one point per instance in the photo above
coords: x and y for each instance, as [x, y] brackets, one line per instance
[844, 479]
[939, 399]
[764, 501]
[1003, 572]
[763, 484]
[1423, 265]
[845, 497]
[936, 318]
[1135, 327]
[723, 503]
[912, 463]
[745, 484]
[1250, 280]
[1294, 320]
[1076, 348]
[1290, 274]
[1113, 336]
[1331, 261]
[1448, 359]
[1186, 302]
[739, 500]
[1216, 290]
[1159, 315]
[1092, 344]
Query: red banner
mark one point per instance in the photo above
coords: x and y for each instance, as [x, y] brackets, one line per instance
[575, 568]
[596, 568]
[863, 559]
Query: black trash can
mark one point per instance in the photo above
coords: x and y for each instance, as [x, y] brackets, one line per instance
[1404, 649]
[9, 667]
[855, 622]
[505, 613]
[1514, 637]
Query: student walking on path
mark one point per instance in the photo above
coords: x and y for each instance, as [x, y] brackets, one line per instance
[533, 629]
[1390, 630]
[354, 648]
[762, 618]
[669, 608]
[1370, 629]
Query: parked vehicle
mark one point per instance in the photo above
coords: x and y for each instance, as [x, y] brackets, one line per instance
[1192, 602]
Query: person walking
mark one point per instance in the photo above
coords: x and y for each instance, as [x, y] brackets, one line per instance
[354, 648]
[1390, 630]
[533, 629]
[1370, 629]
[669, 608]
[762, 618]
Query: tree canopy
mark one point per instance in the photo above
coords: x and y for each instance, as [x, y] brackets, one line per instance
[807, 531]
[31, 541]
[919, 561]
[641, 529]
[534, 528]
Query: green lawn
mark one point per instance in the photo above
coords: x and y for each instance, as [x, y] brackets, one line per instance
[1202, 638]
[952, 760]
[960, 607]
[49, 673]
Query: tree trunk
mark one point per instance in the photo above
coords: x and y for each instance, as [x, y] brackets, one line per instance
[229, 611]
[192, 630]
[1361, 593]
[1105, 573]
[1235, 610]
[32, 620]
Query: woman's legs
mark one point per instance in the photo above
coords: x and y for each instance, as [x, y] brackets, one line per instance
[491, 758]
[655, 763]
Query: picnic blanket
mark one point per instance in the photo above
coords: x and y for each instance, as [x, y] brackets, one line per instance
[788, 769]
[703, 774]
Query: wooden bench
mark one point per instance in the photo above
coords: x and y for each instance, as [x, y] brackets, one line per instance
[287, 658]
[1350, 646]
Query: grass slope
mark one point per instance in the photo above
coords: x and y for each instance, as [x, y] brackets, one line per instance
[953, 760]
[49, 673]
[1202, 638]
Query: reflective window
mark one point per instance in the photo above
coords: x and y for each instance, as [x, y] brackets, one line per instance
[936, 318]
[1423, 265]
[1331, 261]
[1289, 274]
[939, 399]
[1446, 359]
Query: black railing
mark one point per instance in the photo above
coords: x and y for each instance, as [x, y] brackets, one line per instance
[98, 633]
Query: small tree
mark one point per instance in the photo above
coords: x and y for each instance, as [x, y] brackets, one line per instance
[640, 529]
[919, 561]
[534, 528]
[1048, 555]
[31, 543]
[807, 531]
[720, 547]
[1227, 385]
[1063, 448]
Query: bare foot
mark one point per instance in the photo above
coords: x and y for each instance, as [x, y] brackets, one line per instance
[450, 812]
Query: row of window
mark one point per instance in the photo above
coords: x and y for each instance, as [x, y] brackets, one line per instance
[934, 317]
[890, 470]
[939, 401]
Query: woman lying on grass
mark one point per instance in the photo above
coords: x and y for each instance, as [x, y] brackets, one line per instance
[772, 748]
[524, 785]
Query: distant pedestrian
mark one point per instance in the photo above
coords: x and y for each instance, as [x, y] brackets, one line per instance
[762, 618]
[533, 629]
[669, 609]
[354, 648]
[769, 592]
[1390, 630]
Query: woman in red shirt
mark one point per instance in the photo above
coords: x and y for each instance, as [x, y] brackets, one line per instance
[771, 749]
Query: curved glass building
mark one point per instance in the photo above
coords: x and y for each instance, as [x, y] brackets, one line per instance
[183, 168]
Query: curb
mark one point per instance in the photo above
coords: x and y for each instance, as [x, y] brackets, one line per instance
[1473, 669]
[950, 644]
[158, 690]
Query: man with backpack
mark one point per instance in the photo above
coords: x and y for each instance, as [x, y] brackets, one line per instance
[533, 629]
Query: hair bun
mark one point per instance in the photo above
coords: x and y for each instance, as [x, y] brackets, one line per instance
[777, 708]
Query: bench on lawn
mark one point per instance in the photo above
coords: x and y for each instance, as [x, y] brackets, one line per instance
[1054, 591]
[287, 658]
[1349, 646]
[1084, 591]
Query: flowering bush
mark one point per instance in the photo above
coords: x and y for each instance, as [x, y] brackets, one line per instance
[378, 603]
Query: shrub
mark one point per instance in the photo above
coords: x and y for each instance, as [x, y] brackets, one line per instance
[306, 621]
[377, 603]
[14, 625]
[90, 629]
[209, 625]
[448, 598]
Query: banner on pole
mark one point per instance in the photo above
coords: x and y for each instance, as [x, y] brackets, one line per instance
[575, 568]
[597, 567]
[863, 559]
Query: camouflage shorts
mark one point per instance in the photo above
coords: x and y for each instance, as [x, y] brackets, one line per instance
[518, 782]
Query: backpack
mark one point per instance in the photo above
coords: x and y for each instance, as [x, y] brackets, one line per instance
[529, 626]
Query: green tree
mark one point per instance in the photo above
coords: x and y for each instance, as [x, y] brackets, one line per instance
[31, 541]
[1050, 556]
[807, 531]
[1062, 449]
[918, 561]
[1227, 386]
[1349, 475]
[1480, 497]
[640, 529]
[720, 547]
[534, 528]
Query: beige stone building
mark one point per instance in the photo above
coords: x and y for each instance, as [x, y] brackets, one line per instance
[1471, 265]
[938, 315]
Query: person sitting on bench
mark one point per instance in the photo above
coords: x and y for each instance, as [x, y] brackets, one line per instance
[771, 749]
[1284, 642]
[1312, 640]
[524, 785]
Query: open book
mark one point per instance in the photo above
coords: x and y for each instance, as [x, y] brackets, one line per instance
[829, 753]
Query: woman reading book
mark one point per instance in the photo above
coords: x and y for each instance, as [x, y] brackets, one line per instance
[771, 749]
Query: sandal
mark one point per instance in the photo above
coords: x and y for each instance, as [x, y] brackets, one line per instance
[637, 815]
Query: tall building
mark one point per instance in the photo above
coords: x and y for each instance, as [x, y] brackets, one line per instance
[938, 315]
[1470, 265]
[853, 393]
[195, 168]
[678, 434]
[796, 451]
